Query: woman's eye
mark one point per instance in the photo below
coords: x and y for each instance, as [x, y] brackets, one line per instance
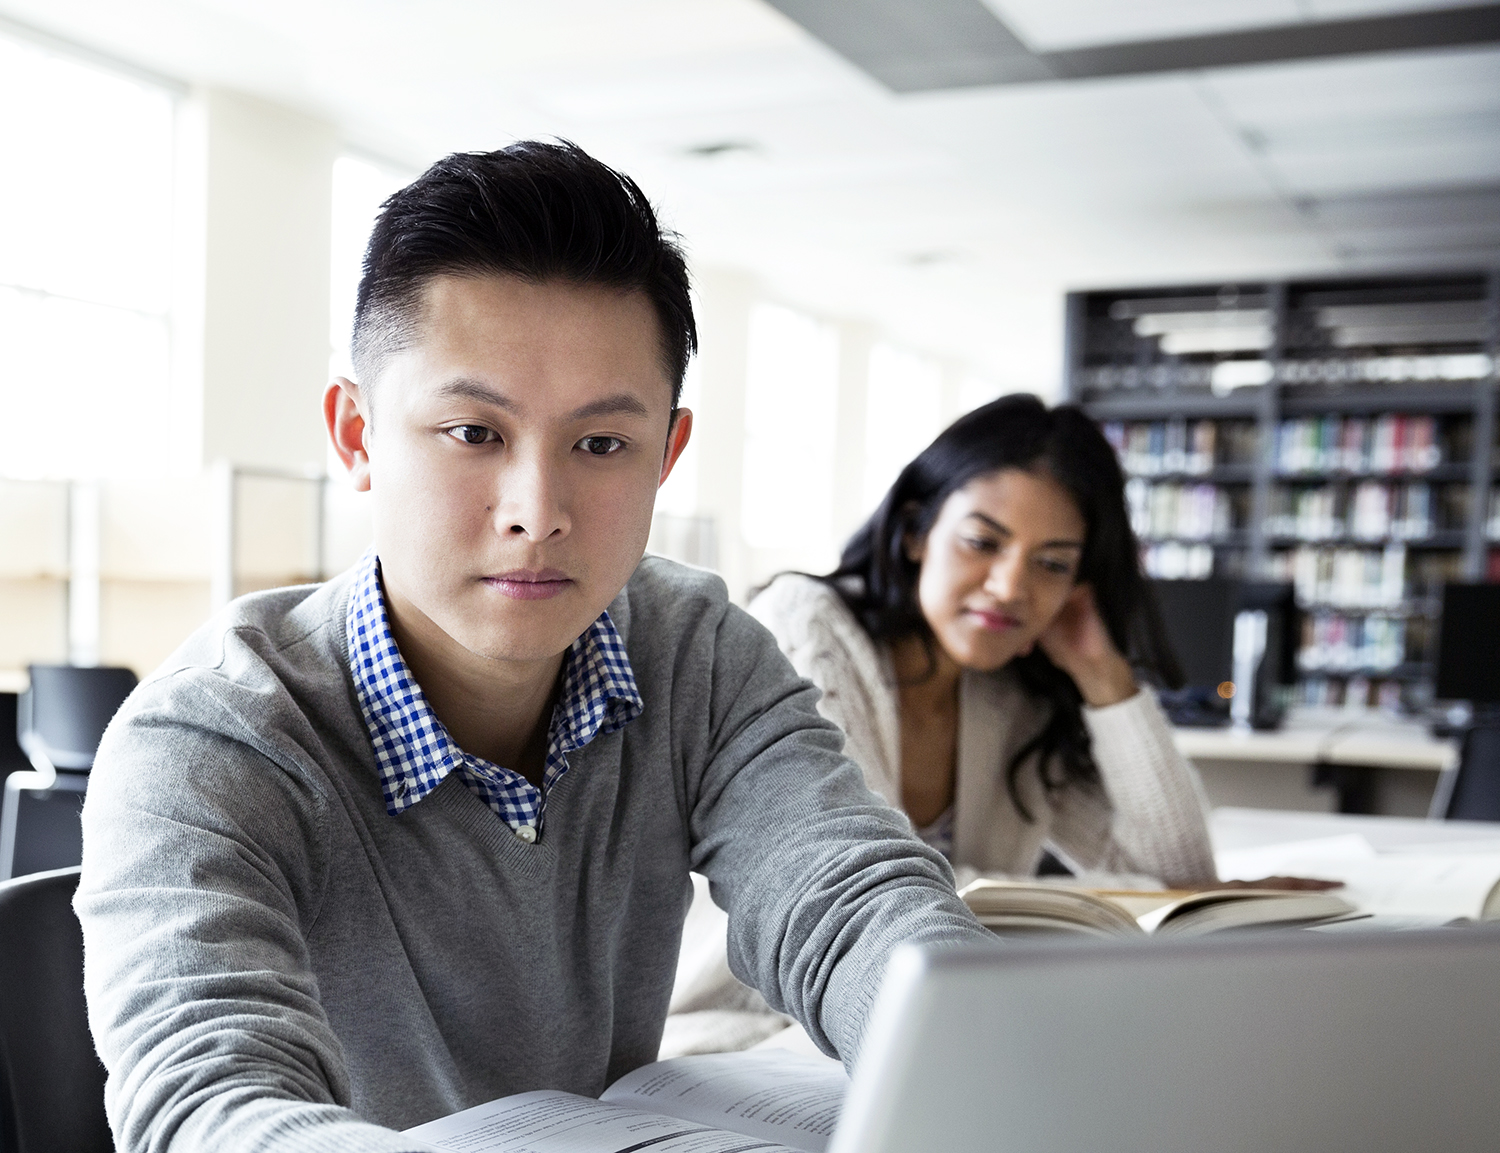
[472, 433]
[981, 544]
[601, 445]
[1059, 567]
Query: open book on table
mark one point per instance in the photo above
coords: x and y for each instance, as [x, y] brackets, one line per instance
[780, 1101]
[1015, 906]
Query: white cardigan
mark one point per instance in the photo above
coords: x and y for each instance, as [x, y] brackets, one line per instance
[1148, 817]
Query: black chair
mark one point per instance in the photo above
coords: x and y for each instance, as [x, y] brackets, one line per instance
[51, 1080]
[1471, 790]
[59, 720]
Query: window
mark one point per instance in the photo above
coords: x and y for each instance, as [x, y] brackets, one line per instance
[791, 396]
[86, 259]
[905, 412]
[359, 189]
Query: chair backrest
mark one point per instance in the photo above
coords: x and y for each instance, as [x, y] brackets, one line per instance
[63, 713]
[1474, 790]
[12, 757]
[51, 1081]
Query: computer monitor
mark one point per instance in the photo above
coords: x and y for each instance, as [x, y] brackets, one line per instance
[1468, 645]
[1290, 1040]
[1199, 619]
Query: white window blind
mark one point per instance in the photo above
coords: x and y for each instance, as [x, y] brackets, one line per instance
[791, 398]
[86, 257]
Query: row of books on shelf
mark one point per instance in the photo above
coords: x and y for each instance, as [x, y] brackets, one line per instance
[1356, 693]
[1388, 443]
[1335, 643]
[1184, 511]
[1370, 510]
[1344, 577]
[1174, 561]
[1223, 375]
[1194, 448]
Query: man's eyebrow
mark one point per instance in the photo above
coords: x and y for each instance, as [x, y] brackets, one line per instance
[1000, 528]
[471, 389]
[621, 403]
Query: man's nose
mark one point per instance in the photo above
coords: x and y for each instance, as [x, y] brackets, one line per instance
[530, 498]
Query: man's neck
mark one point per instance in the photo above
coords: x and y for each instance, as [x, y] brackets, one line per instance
[497, 710]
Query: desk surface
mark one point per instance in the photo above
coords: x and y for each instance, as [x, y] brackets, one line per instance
[1233, 828]
[1326, 736]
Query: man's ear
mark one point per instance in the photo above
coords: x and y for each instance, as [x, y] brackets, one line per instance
[348, 428]
[677, 439]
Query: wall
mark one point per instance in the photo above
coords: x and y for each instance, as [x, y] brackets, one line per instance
[120, 571]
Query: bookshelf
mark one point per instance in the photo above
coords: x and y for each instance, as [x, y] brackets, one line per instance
[1337, 433]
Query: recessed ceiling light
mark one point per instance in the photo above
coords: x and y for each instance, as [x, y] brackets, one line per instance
[713, 148]
[930, 258]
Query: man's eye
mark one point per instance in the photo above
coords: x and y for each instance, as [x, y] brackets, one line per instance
[472, 433]
[601, 445]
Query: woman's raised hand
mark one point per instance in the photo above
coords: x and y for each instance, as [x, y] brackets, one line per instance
[1078, 643]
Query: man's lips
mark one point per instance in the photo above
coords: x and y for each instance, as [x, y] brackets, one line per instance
[529, 584]
[994, 620]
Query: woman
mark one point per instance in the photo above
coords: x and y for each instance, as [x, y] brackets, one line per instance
[978, 646]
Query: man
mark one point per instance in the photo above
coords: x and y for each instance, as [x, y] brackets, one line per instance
[366, 853]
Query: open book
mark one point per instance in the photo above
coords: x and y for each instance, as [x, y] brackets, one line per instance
[1015, 906]
[706, 1104]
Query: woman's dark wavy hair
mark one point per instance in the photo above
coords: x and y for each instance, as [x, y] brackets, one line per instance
[878, 581]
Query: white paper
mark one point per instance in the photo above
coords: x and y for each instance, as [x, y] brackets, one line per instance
[775, 1096]
[552, 1122]
[1438, 885]
[1252, 864]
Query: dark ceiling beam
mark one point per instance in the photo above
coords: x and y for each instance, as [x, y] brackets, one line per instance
[1406, 31]
[922, 45]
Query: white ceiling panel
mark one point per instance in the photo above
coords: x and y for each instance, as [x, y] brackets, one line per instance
[950, 219]
[1049, 25]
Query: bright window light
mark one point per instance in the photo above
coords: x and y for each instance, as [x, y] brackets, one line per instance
[85, 269]
[791, 397]
[905, 412]
[360, 187]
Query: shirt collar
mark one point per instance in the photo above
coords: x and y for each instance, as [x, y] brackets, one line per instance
[413, 751]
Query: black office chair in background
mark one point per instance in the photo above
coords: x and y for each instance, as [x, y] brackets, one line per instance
[51, 1081]
[59, 720]
[1470, 791]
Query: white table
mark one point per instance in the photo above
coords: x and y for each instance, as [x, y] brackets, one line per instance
[1326, 737]
[1233, 828]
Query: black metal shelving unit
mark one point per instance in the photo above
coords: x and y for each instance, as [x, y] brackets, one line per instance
[1336, 432]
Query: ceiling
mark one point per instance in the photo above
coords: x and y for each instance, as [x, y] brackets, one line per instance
[951, 217]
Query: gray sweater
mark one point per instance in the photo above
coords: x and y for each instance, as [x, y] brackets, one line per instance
[274, 962]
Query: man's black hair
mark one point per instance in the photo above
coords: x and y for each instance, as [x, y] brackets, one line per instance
[535, 210]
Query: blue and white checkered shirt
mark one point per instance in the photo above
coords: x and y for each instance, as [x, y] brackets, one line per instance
[413, 750]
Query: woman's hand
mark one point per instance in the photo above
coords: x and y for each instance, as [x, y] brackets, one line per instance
[1078, 643]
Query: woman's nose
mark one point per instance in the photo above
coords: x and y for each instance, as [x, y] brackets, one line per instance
[1007, 577]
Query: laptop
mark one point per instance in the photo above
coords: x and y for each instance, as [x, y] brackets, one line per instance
[1274, 1042]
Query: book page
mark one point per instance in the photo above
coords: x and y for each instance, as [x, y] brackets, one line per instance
[552, 1122]
[774, 1096]
[1420, 884]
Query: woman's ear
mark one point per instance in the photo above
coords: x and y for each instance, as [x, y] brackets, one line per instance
[913, 547]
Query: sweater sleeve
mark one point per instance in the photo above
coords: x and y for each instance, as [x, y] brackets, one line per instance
[202, 998]
[1150, 817]
[801, 615]
[820, 878]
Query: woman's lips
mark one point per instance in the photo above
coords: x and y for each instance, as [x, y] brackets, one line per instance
[529, 585]
[995, 622]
